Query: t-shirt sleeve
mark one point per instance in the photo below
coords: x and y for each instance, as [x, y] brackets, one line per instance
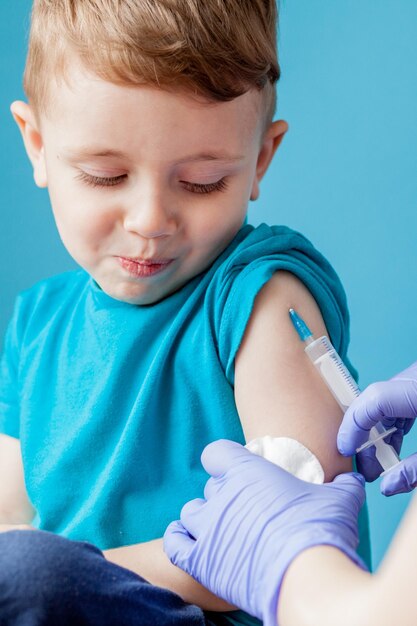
[266, 250]
[9, 373]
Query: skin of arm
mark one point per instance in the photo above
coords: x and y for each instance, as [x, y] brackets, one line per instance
[15, 508]
[279, 393]
[150, 561]
[322, 586]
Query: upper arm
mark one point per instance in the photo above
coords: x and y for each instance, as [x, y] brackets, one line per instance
[15, 507]
[278, 391]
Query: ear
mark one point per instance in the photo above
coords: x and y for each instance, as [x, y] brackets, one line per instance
[25, 119]
[271, 141]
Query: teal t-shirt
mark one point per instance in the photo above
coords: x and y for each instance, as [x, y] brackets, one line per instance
[113, 403]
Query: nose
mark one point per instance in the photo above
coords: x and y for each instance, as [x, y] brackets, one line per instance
[150, 216]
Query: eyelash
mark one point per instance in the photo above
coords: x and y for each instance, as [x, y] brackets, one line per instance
[96, 181]
[220, 185]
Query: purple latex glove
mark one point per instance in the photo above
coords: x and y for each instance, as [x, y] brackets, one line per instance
[393, 403]
[255, 519]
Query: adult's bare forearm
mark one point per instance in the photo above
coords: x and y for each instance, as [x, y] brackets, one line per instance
[323, 586]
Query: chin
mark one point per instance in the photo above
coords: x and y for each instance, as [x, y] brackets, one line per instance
[131, 294]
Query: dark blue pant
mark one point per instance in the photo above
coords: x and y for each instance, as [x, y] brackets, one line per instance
[46, 580]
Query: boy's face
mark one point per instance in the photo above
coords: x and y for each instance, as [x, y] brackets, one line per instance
[147, 187]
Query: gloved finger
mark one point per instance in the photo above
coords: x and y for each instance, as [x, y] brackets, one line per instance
[367, 464]
[378, 403]
[191, 516]
[395, 398]
[388, 422]
[348, 479]
[177, 543]
[408, 425]
[410, 373]
[407, 379]
[400, 423]
[395, 440]
[220, 455]
[402, 478]
[211, 488]
[353, 484]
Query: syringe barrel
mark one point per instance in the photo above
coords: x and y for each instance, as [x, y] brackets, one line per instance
[344, 389]
[333, 371]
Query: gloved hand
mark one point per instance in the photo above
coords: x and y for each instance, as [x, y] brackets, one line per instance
[255, 519]
[393, 403]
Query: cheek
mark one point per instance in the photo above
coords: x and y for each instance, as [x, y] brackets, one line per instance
[81, 223]
[215, 228]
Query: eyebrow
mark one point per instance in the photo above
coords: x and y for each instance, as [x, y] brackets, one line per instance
[92, 152]
[218, 156]
[100, 152]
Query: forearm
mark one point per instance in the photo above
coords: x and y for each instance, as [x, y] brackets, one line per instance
[15, 507]
[397, 574]
[149, 561]
[20, 516]
[323, 586]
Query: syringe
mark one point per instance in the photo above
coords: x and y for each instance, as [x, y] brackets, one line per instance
[343, 387]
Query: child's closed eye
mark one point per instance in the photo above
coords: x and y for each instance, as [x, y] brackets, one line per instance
[99, 181]
[112, 181]
[219, 185]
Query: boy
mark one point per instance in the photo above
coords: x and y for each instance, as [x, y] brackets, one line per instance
[151, 126]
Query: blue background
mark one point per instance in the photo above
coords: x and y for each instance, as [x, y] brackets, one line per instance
[345, 176]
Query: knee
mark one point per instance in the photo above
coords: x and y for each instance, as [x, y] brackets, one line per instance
[33, 565]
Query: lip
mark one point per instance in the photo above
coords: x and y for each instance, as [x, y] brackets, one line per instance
[143, 268]
[142, 261]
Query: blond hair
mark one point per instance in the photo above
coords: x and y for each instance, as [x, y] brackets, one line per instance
[217, 49]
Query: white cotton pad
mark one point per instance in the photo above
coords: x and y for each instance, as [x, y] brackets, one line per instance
[290, 455]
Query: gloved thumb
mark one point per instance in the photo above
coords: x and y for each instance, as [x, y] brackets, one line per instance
[353, 484]
[220, 455]
[402, 478]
